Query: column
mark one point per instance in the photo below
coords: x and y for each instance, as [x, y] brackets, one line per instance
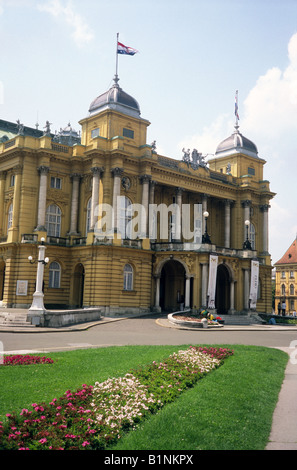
[43, 172]
[187, 292]
[178, 223]
[74, 203]
[145, 179]
[152, 221]
[227, 222]
[204, 282]
[246, 290]
[2, 188]
[16, 205]
[96, 171]
[204, 208]
[232, 285]
[157, 293]
[264, 210]
[246, 215]
[117, 173]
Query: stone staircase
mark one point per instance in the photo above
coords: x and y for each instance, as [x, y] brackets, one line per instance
[15, 320]
[241, 320]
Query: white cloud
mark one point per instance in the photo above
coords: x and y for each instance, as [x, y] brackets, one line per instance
[207, 141]
[271, 106]
[82, 33]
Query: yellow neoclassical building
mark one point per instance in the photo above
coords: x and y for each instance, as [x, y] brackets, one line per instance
[286, 281]
[126, 229]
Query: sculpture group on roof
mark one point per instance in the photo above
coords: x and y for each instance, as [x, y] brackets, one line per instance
[198, 160]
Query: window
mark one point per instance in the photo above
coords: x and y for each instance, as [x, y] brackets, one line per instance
[292, 290]
[251, 171]
[54, 275]
[291, 274]
[95, 133]
[12, 180]
[56, 183]
[9, 220]
[125, 211]
[128, 133]
[283, 289]
[283, 274]
[128, 277]
[53, 221]
[89, 208]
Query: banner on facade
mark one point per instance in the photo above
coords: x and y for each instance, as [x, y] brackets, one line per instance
[254, 284]
[212, 280]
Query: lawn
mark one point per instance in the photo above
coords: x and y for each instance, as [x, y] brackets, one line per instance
[230, 408]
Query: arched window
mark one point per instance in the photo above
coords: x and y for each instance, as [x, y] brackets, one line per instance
[125, 211]
[54, 275]
[9, 220]
[128, 277]
[283, 289]
[291, 289]
[88, 221]
[53, 221]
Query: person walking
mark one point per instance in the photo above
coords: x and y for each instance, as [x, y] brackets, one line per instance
[284, 308]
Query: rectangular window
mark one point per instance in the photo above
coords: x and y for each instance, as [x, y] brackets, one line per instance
[56, 183]
[95, 133]
[128, 133]
[251, 171]
[12, 180]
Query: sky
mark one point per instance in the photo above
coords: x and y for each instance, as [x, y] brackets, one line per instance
[58, 55]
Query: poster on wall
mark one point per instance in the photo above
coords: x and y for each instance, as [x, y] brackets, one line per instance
[212, 280]
[254, 284]
[22, 288]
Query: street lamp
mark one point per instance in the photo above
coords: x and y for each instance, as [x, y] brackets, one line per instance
[37, 304]
[247, 244]
[205, 236]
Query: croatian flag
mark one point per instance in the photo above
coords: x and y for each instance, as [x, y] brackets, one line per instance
[236, 106]
[125, 49]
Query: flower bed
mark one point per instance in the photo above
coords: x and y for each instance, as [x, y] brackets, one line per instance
[193, 321]
[23, 359]
[95, 416]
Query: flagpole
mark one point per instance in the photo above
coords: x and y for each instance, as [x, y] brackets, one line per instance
[116, 79]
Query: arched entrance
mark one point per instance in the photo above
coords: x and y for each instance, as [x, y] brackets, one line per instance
[222, 301]
[2, 279]
[172, 286]
[78, 285]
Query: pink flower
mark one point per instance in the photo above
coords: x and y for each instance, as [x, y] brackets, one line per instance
[43, 441]
[85, 443]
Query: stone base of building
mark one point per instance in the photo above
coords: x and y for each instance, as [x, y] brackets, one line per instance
[60, 318]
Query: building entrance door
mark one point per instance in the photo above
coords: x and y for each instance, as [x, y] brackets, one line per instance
[172, 286]
[78, 285]
[222, 301]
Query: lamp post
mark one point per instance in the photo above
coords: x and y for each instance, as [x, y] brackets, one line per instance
[205, 236]
[247, 244]
[37, 304]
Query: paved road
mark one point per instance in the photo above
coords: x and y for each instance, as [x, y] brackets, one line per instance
[146, 330]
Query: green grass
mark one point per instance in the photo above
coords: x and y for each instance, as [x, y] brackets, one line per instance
[230, 408]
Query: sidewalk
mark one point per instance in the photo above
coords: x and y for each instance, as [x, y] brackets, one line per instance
[283, 434]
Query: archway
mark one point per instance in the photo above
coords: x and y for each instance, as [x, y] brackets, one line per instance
[2, 279]
[172, 286]
[78, 285]
[222, 301]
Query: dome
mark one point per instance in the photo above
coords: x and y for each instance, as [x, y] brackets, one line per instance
[236, 143]
[116, 99]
